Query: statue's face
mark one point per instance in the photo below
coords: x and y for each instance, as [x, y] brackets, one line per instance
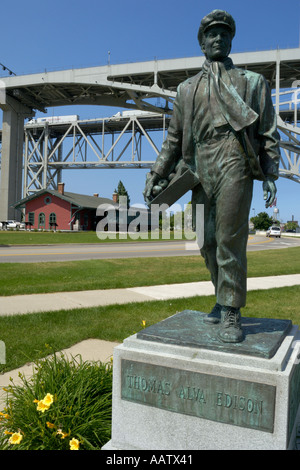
[217, 43]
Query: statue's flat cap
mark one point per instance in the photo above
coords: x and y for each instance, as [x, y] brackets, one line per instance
[216, 17]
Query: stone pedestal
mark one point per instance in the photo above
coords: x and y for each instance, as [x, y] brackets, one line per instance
[177, 387]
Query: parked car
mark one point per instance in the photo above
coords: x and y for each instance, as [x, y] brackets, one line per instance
[273, 231]
[14, 224]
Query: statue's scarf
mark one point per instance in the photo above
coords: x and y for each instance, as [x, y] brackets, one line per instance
[227, 107]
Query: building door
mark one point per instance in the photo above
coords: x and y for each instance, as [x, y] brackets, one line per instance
[42, 219]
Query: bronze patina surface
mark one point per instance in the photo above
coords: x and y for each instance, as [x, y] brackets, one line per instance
[294, 397]
[212, 397]
[223, 128]
[176, 188]
[263, 336]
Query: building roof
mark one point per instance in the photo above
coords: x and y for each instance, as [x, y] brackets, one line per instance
[79, 200]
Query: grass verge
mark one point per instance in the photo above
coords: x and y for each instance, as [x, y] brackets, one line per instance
[29, 278]
[27, 337]
[49, 238]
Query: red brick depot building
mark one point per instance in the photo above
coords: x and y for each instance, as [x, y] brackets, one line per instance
[60, 210]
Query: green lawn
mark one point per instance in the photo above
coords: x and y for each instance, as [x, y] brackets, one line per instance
[22, 237]
[28, 337]
[28, 278]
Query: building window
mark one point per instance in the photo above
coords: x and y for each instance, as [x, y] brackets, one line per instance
[42, 220]
[47, 200]
[86, 220]
[52, 220]
[31, 218]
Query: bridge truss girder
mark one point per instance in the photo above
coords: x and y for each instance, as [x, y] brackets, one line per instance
[114, 142]
[290, 151]
[288, 120]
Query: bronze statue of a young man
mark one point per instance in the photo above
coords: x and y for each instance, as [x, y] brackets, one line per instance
[224, 128]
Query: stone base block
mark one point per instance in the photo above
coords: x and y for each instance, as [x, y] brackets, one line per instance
[168, 394]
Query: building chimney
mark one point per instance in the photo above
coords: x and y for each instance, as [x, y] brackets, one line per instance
[115, 197]
[96, 194]
[61, 188]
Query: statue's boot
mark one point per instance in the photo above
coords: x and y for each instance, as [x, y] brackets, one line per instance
[231, 325]
[214, 316]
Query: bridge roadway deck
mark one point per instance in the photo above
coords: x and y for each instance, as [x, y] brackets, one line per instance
[126, 85]
[110, 125]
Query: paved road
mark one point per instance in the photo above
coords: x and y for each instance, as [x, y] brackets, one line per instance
[261, 242]
[32, 254]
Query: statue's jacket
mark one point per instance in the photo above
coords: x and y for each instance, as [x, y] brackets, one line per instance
[261, 139]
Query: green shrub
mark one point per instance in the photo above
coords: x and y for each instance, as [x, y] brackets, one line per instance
[65, 402]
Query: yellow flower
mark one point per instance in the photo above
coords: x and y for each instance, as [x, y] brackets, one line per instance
[48, 400]
[74, 444]
[61, 433]
[144, 323]
[4, 415]
[42, 407]
[50, 425]
[7, 432]
[15, 438]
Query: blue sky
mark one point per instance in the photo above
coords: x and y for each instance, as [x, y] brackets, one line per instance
[54, 35]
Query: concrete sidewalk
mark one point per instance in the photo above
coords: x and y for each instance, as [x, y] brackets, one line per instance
[24, 304]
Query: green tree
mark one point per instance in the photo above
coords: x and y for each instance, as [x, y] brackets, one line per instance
[121, 191]
[292, 225]
[262, 221]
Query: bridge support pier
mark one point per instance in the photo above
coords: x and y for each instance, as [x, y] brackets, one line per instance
[14, 114]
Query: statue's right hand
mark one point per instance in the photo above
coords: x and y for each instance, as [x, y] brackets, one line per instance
[151, 180]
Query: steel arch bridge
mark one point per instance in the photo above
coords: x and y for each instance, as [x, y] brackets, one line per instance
[33, 155]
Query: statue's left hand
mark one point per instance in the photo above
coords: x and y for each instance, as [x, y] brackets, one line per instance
[269, 189]
[151, 180]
